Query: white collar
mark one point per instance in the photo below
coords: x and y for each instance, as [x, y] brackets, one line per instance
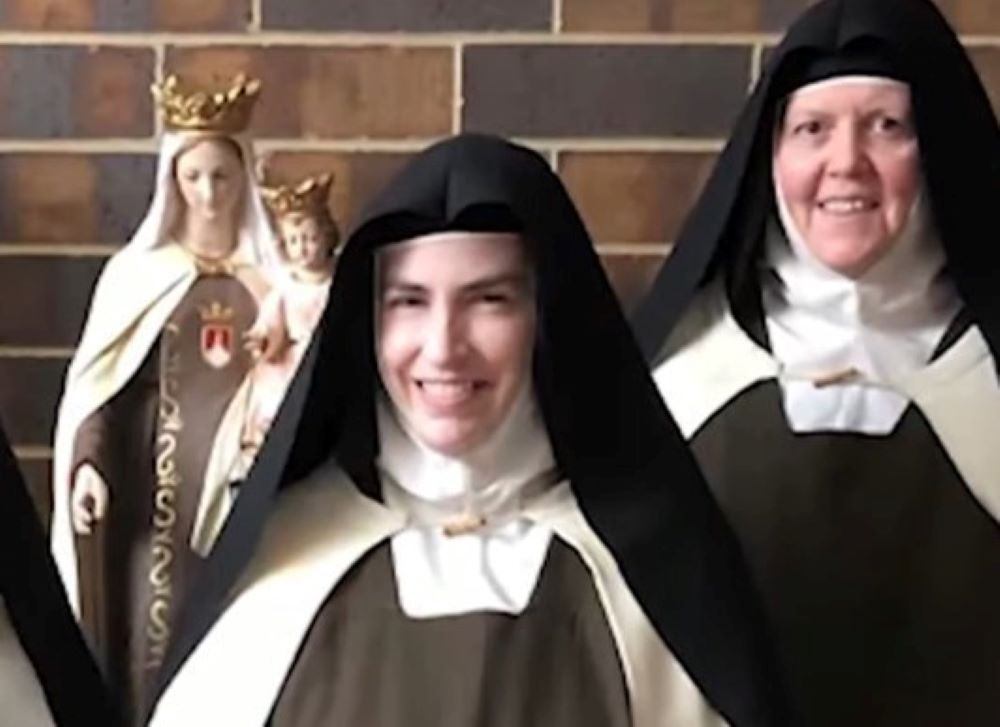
[880, 326]
[466, 546]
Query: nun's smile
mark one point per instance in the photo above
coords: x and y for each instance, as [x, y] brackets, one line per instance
[847, 165]
[456, 328]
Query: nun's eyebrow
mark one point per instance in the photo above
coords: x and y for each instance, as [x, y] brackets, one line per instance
[518, 279]
[810, 112]
[401, 286]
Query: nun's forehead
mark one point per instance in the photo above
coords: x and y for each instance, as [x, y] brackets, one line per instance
[855, 81]
[457, 236]
[471, 248]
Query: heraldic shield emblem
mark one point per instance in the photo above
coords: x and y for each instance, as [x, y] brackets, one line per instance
[217, 334]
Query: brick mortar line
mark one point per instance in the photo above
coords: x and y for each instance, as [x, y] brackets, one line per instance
[66, 249]
[32, 452]
[626, 144]
[406, 39]
[79, 146]
[364, 145]
[457, 87]
[557, 16]
[756, 64]
[159, 73]
[256, 23]
[359, 144]
[633, 249]
[35, 352]
[73, 250]
[151, 145]
[334, 38]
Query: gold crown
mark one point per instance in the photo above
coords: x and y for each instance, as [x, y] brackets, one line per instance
[215, 312]
[308, 198]
[225, 112]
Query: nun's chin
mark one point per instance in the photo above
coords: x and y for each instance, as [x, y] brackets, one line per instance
[850, 252]
[452, 436]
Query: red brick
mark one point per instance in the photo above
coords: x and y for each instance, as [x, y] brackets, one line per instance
[383, 92]
[47, 15]
[66, 91]
[987, 62]
[46, 298]
[125, 15]
[604, 90]
[73, 198]
[108, 77]
[29, 393]
[199, 15]
[634, 196]
[974, 17]
[777, 15]
[659, 16]
[357, 176]
[407, 15]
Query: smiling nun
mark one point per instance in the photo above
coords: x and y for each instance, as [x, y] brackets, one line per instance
[484, 515]
[826, 335]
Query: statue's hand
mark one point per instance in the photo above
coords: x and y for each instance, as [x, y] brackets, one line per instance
[255, 341]
[266, 343]
[89, 500]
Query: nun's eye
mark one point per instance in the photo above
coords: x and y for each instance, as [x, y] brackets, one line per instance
[403, 300]
[494, 297]
[812, 127]
[889, 126]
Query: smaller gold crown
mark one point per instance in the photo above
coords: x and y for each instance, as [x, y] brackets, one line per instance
[225, 112]
[307, 198]
[215, 312]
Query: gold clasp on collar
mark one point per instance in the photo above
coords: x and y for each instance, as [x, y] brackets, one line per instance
[844, 376]
[464, 524]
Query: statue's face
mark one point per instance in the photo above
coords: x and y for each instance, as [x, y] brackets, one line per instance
[210, 179]
[306, 243]
[456, 329]
[847, 163]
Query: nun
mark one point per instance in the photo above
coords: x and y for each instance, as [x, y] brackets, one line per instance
[47, 675]
[473, 508]
[826, 336]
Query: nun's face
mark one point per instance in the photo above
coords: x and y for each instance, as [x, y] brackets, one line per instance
[456, 327]
[210, 179]
[847, 163]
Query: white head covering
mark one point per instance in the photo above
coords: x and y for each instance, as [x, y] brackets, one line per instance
[257, 242]
[882, 325]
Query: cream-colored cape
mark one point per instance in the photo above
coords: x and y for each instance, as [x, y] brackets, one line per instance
[709, 360]
[323, 526]
[133, 299]
[22, 701]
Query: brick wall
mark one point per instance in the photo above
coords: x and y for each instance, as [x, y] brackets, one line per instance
[629, 99]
